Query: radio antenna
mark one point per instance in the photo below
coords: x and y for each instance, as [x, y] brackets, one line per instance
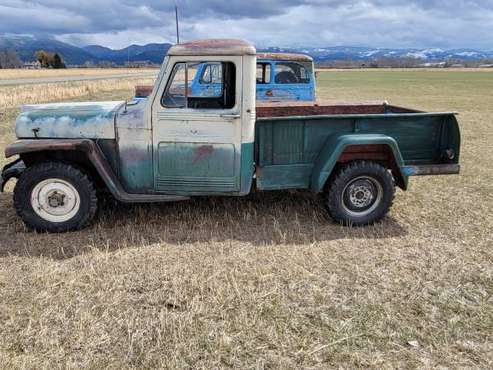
[177, 25]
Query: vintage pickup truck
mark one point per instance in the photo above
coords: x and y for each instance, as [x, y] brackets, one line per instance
[280, 76]
[173, 146]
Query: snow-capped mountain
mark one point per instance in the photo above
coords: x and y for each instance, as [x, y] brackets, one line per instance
[366, 53]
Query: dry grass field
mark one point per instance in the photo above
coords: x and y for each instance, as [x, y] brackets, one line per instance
[265, 281]
[69, 72]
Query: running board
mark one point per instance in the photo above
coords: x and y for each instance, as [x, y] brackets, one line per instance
[431, 169]
[148, 198]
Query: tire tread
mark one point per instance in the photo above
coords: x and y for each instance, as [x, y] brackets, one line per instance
[340, 180]
[33, 221]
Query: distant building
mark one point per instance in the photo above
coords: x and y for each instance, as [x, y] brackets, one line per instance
[486, 66]
[432, 65]
[139, 64]
[32, 65]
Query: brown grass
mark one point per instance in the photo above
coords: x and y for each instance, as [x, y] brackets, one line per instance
[267, 280]
[7, 74]
[13, 96]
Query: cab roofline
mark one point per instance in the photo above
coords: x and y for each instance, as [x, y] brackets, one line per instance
[285, 56]
[213, 47]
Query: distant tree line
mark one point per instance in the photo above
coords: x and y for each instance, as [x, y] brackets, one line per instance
[50, 60]
[405, 62]
[9, 59]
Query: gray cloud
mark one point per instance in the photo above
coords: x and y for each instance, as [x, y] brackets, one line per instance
[384, 23]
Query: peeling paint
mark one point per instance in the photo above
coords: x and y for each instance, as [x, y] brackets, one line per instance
[92, 120]
[285, 56]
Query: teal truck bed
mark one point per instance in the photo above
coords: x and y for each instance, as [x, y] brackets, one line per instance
[298, 146]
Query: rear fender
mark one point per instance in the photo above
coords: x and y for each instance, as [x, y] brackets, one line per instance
[334, 148]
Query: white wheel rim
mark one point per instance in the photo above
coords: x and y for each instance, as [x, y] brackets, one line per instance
[55, 200]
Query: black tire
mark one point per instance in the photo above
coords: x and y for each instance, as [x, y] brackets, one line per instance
[43, 172]
[360, 193]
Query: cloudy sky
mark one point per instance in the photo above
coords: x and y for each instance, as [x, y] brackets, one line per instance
[376, 23]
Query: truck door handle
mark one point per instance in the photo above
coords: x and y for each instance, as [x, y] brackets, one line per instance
[230, 116]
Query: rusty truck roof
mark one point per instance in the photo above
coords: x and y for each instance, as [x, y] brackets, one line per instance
[285, 56]
[213, 47]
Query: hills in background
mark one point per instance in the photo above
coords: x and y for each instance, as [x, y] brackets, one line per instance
[153, 53]
[26, 46]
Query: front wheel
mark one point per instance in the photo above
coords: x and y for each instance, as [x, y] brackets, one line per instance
[361, 193]
[55, 197]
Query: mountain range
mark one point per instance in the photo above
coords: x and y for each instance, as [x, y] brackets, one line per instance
[153, 53]
[26, 46]
[366, 53]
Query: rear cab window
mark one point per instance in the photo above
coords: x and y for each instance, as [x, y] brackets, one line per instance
[293, 73]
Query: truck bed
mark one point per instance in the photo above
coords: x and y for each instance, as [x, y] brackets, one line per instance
[289, 137]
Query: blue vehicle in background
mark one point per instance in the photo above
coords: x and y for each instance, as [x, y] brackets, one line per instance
[280, 77]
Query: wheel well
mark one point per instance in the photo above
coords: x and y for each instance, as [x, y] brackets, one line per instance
[380, 153]
[73, 157]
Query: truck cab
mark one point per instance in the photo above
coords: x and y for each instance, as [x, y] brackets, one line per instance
[203, 143]
[176, 144]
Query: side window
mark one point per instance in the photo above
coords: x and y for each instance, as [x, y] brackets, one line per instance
[263, 73]
[174, 96]
[292, 73]
[182, 92]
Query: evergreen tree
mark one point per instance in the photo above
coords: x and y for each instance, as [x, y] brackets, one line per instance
[58, 62]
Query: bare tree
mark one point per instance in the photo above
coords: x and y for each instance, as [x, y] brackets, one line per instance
[9, 59]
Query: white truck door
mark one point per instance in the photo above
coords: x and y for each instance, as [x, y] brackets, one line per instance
[197, 139]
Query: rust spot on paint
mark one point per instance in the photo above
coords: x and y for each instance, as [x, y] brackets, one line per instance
[143, 91]
[285, 56]
[27, 146]
[213, 47]
[202, 152]
[296, 108]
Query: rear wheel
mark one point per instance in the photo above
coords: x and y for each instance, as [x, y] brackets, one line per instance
[361, 193]
[55, 197]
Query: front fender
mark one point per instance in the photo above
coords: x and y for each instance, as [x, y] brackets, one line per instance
[85, 146]
[335, 146]
[98, 161]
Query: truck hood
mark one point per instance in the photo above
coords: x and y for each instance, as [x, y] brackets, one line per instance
[91, 120]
